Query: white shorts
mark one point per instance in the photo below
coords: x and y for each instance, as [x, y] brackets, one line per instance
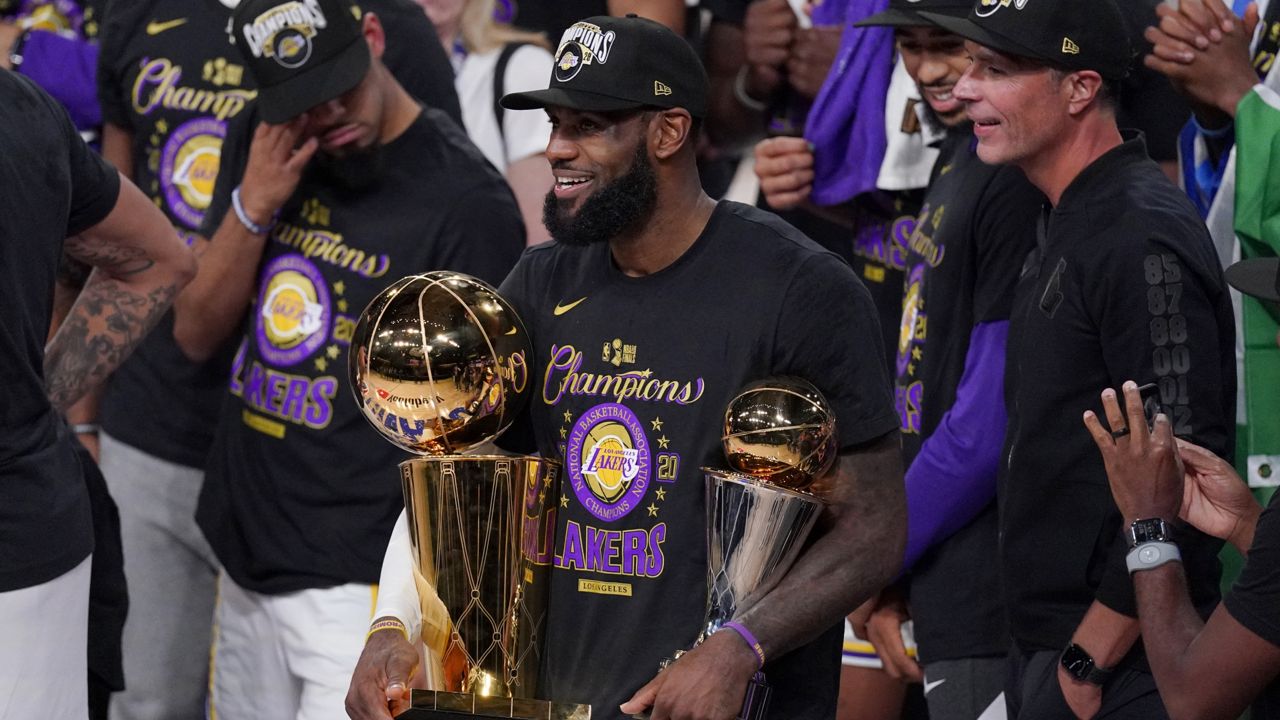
[861, 653]
[43, 659]
[286, 657]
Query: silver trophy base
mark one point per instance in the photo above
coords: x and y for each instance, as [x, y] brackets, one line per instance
[439, 705]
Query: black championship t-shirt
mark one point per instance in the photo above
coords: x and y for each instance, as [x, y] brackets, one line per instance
[54, 186]
[169, 77]
[632, 379]
[301, 492]
[976, 227]
[1124, 285]
[1254, 600]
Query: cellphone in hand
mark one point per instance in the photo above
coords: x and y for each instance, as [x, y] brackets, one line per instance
[1150, 394]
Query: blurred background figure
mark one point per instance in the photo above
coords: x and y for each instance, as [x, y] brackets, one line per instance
[490, 59]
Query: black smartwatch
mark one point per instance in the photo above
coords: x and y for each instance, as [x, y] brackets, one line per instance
[1149, 530]
[1079, 664]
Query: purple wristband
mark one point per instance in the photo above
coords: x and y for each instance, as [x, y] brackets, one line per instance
[749, 639]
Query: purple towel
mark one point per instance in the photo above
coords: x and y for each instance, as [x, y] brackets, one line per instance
[846, 123]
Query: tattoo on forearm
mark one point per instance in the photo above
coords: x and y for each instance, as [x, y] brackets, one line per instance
[106, 323]
[72, 273]
[113, 258]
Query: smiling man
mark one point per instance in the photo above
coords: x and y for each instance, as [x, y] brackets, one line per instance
[648, 277]
[350, 183]
[1123, 283]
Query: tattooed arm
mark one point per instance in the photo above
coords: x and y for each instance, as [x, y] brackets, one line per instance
[140, 264]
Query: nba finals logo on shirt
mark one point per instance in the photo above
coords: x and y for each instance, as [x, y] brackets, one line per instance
[582, 44]
[284, 32]
[293, 320]
[608, 461]
[989, 7]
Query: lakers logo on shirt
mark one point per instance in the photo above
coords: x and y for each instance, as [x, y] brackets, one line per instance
[608, 459]
[986, 8]
[293, 312]
[189, 167]
[910, 317]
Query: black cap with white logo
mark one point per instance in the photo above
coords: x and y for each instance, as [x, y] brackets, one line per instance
[301, 52]
[606, 64]
[907, 13]
[1073, 34]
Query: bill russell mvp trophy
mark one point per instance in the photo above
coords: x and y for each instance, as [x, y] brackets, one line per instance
[779, 437]
[438, 365]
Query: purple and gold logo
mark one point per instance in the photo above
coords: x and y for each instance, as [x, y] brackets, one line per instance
[293, 315]
[189, 166]
[608, 461]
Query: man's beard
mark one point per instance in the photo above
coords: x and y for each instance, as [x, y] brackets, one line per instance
[608, 212]
[353, 171]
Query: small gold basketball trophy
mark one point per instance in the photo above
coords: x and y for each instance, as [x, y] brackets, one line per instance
[779, 436]
[438, 364]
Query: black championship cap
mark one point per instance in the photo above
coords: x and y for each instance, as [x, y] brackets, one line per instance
[605, 64]
[1258, 277]
[1073, 34]
[301, 52]
[906, 13]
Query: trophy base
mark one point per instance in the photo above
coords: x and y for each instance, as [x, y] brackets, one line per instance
[439, 705]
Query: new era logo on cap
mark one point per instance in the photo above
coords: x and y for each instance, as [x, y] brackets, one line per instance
[660, 89]
[1069, 47]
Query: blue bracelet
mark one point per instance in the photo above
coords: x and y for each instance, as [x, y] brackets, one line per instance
[253, 227]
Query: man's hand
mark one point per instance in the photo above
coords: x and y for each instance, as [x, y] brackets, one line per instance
[767, 33]
[1204, 51]
[1214, 498]
[380, 684]
[812, 54]
[707, 683]
[276, 162]
[1083, 698]
[1142, 465]
[785, 168]
[884, 631]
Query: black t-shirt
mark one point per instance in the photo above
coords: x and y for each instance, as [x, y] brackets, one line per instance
[976, 227]
[1124, 285]
[1254, 600]
[54, 186]
[413, 55]
[300, 491]
[645, 367]
[168, 76]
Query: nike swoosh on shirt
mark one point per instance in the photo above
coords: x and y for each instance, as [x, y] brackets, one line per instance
[931, 685]
[562, 309]
[155, 28]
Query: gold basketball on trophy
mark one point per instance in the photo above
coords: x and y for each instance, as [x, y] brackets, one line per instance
[438, 363]
[782, 431]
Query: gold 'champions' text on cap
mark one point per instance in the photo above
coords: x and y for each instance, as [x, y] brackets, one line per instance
[284, 32]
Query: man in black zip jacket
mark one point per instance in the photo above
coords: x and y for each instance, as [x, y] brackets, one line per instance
[1124, 283]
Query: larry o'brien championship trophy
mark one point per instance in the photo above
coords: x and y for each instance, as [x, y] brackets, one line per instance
[779, 437]
[438, 365]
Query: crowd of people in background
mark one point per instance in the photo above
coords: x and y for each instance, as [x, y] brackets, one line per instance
[1030, 250]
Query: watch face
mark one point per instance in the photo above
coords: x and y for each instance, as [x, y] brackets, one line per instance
[1077, 662]
[1153, 530]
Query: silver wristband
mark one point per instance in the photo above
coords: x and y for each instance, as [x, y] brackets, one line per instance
[1151, 555]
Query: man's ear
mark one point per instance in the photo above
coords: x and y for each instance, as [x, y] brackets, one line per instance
[374, 35]
[1083, 88]
[669, 131]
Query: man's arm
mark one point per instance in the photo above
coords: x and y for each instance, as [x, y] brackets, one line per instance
[140, 265]
[212, 306]
[858, 548]
[1202, 670]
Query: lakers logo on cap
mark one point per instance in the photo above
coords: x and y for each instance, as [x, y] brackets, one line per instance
[569, 63]
[986, 8]
[1069, 47]
[660, 88]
